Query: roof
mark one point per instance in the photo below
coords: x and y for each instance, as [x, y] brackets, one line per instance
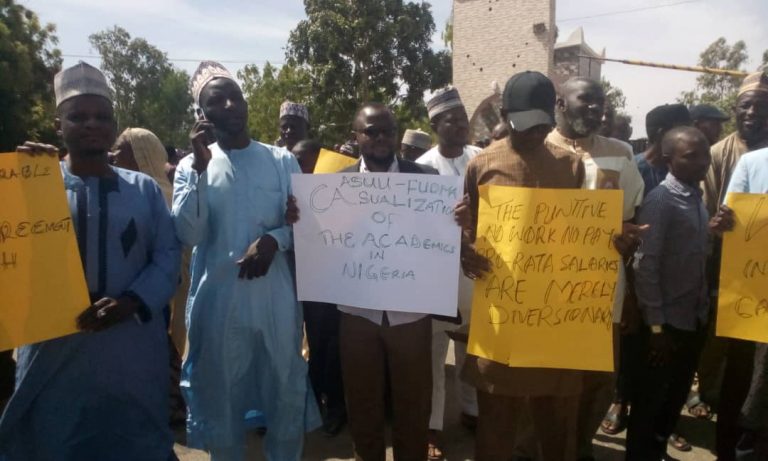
[576, 39]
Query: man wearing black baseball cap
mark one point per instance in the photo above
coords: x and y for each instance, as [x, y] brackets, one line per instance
[550, 396]
[709, 120]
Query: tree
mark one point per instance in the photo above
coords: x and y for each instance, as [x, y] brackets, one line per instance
[718, 90]
[614, 97]
[266, 89]
[149, 92]
[367, 50]
[447, 34]
[28, 61]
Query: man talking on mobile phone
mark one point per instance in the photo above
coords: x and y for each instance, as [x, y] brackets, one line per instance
[245, 324]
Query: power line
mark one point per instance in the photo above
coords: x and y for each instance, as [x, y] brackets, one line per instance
[634, 10]
[252, 61]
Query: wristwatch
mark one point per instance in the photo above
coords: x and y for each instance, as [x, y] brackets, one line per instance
[657, 329]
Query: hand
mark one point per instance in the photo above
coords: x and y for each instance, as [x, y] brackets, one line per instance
[462, 214]
[291, 211]
[256, 261]
[628, 241]
[723, 221]
[106, 312]
[200, 137]
[36, 148]
[661, 349]
[474, 265]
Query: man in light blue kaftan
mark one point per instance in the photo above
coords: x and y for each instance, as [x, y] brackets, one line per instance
[243, 319]
[102, 394]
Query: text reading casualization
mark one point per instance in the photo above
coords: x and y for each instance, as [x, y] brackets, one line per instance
[378, 240]
[41, 275]
[742, 310]
[548, 301]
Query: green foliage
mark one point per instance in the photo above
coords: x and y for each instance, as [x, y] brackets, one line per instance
[614, 97]
[447, 34]
[28, 61]
[366, 50]
[266, 89]
[719, 90]
[149, 92]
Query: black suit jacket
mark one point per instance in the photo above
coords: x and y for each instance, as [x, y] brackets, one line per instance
[405, 166]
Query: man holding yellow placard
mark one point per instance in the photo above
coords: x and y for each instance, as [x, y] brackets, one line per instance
[743, 310]
[105, 388]
[505, 393]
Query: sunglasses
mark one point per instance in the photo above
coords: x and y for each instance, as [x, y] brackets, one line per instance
[374, 133]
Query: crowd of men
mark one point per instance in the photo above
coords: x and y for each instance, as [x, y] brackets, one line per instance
[104, 393]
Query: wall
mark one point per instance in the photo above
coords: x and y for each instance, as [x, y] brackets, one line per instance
[495, 39]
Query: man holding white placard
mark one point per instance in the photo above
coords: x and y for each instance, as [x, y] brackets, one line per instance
[374, 341]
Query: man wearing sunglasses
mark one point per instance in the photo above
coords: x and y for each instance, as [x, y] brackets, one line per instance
[374, 343]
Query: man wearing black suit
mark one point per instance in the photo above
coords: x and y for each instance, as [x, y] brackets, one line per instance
[371, 340]
[374, 342]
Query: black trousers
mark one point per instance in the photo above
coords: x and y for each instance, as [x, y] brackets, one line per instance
[7, 376]
[740, 357]
[322, 326]
[659, 393]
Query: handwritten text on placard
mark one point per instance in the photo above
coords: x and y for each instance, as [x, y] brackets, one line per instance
[742, 310]
[548, 301]
[378, 240]
[41, 276]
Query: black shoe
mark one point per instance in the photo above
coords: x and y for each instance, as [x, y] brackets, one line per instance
[333, 425]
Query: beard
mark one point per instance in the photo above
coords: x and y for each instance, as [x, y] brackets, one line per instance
[379, 162]
[580, 127]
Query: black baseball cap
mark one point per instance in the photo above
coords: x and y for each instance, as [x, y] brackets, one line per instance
[529, 100]
[707, 112]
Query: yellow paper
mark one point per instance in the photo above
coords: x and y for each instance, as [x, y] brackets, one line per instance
[742, 310]
[548, 301]
[42, 287]
[332, 162]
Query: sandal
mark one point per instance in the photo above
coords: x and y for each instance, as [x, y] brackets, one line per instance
[615, 420]
[434, 450]
[698, 408]
[679, 443]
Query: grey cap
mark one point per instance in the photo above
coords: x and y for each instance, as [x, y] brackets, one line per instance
[78, 80]
[417, 138]
[443, 101]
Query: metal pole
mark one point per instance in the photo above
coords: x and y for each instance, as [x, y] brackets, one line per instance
[706, 70]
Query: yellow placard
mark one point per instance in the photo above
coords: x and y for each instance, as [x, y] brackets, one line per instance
[548, 302]
[329, 161]
[42, 285]
[742, 310]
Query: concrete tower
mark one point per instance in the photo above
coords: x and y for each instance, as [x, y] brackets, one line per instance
[493, 40]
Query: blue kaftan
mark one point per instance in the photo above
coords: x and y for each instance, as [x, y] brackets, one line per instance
[244, 335]
[104, 395]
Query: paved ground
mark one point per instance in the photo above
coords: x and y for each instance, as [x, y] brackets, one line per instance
[459, 441]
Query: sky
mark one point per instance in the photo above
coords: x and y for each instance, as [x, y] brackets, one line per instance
[238, 32]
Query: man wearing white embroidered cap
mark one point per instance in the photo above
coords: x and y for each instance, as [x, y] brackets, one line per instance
[243, 317]
[294, 124]
[101, 393]
[448, 119]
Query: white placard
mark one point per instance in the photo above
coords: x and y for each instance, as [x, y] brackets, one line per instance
[378, 240]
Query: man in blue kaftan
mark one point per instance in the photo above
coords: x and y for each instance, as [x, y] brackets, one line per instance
[102, 394]
[243, 318]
